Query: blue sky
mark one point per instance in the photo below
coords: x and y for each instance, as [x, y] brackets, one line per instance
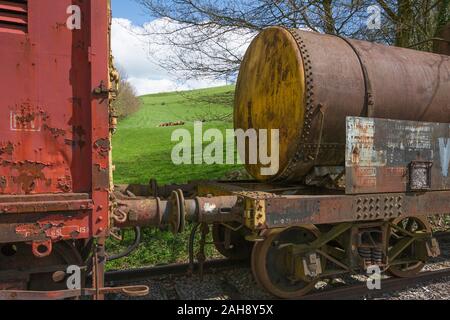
[139, 56]
[130, 10]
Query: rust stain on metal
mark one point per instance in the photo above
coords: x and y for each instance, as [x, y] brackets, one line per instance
[143, 212]
[360, 144]
[281, 212]
[28, 230]
[26, 117]
[55, 131]
[3, 182]
[28, 173]
[57, 229]
[7, 149]
[65, 184]
[103, 146]
[397, 172]
[42, 249]
[48, 132]
[60, 202]
[100, 177]
[365, 176]
[380, 153]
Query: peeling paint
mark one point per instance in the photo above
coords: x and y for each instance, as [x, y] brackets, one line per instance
[55, 230]
[28, 230]
[55, 131]
[100, 178]
[26, 118]
[8, 149]
[3, 182]
[103, 146]
[360, 144]
[29, 173]
[380, 154]
[65, 184]
[46, 170]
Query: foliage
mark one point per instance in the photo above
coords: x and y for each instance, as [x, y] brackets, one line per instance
[208, 36]
[126, 102]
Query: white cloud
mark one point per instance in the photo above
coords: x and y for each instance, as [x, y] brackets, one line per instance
[137, 56]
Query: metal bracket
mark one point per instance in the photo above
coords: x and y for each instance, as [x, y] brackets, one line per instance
[433, 249]
[102, 90]
[420, 175]
[312, 265]
[255, 214]
[42, 249]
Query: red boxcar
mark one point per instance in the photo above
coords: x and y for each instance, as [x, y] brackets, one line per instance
[54, 137]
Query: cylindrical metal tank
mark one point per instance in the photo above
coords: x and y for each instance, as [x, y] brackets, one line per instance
[305, 84]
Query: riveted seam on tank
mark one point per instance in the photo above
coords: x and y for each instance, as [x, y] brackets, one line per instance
[306, 131]
[370, 97]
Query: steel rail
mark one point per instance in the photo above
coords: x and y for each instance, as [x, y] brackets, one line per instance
[359, 291]
[346, 292]
[135, 275]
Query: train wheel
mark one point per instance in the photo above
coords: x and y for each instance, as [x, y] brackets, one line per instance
[239, 249]
[413, 253]
[270, 262]
[45, 274]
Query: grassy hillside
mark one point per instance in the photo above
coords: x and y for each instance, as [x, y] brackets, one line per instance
[142, 150]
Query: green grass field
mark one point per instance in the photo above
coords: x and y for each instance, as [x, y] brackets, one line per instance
[142, 150]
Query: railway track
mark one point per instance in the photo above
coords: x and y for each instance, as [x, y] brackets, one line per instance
[346, 292]
[136, 275]
[387, 285]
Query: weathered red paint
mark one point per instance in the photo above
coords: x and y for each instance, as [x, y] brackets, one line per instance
[54, 132]
[56, 228]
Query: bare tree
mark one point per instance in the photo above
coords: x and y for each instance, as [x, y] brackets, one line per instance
[415, 22]
[127, 102]
[203, 33]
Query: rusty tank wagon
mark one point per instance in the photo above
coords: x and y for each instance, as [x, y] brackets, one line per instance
[306, 84]
[364, 166]
[365, 150]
